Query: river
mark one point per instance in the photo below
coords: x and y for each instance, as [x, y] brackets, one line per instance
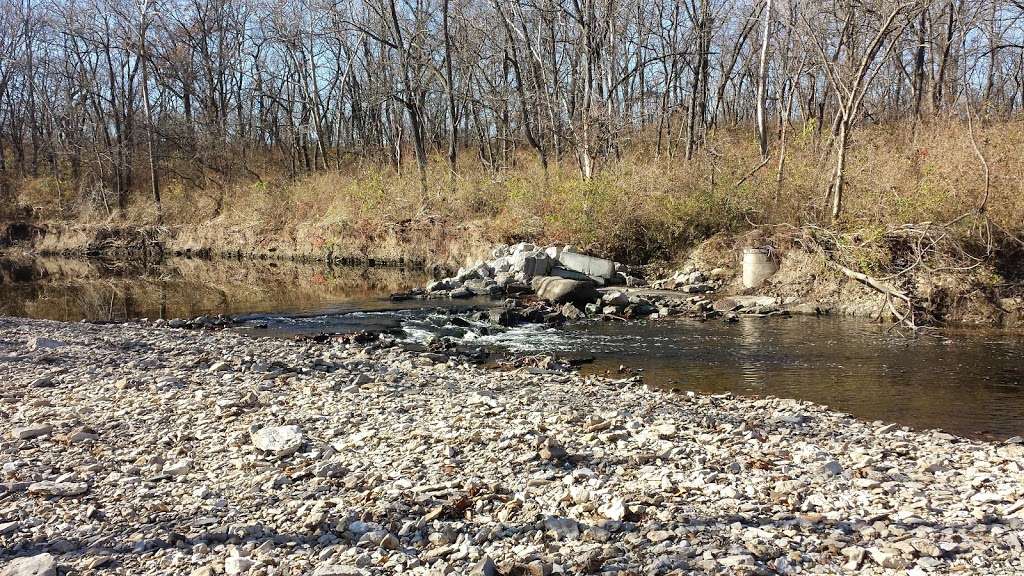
[968, 382]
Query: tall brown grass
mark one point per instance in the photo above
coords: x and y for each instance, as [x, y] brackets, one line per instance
[637, 207]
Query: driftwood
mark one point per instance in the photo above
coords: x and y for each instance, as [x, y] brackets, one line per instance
[890, 293]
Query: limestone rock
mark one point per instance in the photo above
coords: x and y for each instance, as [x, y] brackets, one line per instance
[338, 570]
[280, 441]
[30, 431]
[614, 510]
[50, 488]
[237, 565]
[38, 565]
[562, 528]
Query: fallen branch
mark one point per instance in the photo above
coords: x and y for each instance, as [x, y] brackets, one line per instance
[751, 173]
[886, 289]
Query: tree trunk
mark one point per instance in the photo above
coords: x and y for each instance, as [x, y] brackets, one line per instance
[762, 81]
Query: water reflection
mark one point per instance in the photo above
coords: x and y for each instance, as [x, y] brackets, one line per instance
[751, 368]
[72, 290]
[971, 383]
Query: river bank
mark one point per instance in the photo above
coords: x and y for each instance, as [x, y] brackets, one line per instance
[137, 450]
[922, 273]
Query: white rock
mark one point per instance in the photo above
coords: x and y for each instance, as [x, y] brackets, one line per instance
[49, 488]
[887, 558]
[30, 431]
[614, 510]
[338, 570]
[39, 565]
[279, 440]
[179, 468]
[237, 565]
[831, 468]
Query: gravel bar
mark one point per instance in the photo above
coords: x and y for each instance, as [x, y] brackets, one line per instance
[133, 449]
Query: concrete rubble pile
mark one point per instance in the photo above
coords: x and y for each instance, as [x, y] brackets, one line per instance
[512, 269]
[555, 284]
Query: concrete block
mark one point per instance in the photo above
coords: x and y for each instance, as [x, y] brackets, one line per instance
[589, 265]
[530, 266]
[574, 275]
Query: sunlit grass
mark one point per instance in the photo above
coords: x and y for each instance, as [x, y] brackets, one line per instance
[637, 207]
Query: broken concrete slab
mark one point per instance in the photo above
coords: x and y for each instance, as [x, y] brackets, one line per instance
[574, 275]
[589, 265]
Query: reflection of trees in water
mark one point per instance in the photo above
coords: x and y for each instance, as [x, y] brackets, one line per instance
[753, 367]
[969, 386]
[68, 289]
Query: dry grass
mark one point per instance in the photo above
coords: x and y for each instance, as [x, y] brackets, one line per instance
[636, 208]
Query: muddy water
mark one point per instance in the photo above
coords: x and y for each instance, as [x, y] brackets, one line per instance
[968, 382]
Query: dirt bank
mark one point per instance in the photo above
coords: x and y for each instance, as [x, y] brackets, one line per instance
[941, 277]
[869, 273]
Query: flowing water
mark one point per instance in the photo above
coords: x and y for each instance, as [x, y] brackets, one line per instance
[968, 382]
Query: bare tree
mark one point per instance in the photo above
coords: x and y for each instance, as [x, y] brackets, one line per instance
[113, 98]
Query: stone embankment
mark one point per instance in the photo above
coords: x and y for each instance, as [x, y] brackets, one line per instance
[130, 449]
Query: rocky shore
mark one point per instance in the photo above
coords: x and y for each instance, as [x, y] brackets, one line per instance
[556, 284]
[130, 449]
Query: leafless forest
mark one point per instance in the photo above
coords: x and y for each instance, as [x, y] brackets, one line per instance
[109, 99]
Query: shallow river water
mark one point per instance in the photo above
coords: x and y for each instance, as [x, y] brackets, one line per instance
[968, 382]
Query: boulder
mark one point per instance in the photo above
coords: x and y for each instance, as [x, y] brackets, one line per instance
[517, 288]
[480, 287]
[562, 290]
[616, 298]
[441, 285]
[478, 271]
[574, 275]
[571, 312]
[502, 264]
[521, 248]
